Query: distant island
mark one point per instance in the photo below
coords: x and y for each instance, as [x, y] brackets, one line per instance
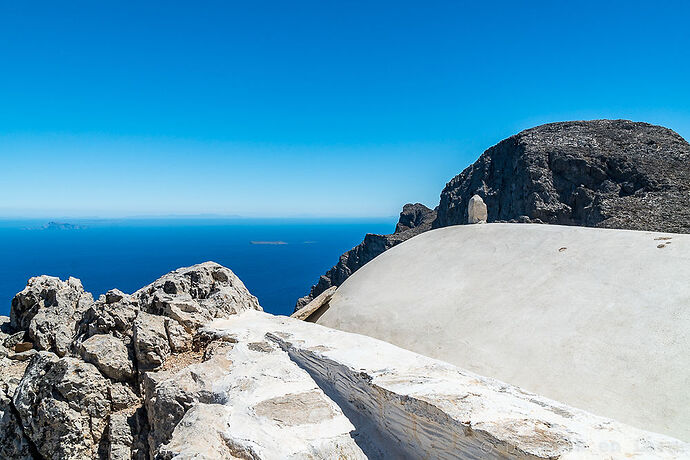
[269, 242]
[61, 226]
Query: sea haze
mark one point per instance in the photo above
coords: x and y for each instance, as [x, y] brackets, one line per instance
[277, 259]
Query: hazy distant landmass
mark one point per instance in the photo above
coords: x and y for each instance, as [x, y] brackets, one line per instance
[53, 225]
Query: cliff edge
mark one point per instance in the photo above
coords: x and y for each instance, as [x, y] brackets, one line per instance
[414, 219]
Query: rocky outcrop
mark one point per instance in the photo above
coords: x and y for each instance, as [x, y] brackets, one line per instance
[151, 344]
[63, 405]
[13, 443]
[601, 173]
[414, 219]
[195, 295]
[71, 369]
[109, 355]
[49, 310]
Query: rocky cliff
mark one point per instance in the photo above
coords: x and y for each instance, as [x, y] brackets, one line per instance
[601, 173]
[414, 219]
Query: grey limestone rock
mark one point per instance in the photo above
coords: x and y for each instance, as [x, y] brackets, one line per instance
[120, 437]
[113, 313]
[122, 397]
[151, 343]
[195, 295]
[50, 309]
[476, 210]
[70, 368]
[179, 338]
[126, 436]
[13, 443]
[63, 404]
[109, 355]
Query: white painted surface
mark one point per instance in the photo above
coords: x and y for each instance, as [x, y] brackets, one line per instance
[422, 407]
[602, 325]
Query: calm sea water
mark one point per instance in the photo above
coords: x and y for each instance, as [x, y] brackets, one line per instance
[128, 254]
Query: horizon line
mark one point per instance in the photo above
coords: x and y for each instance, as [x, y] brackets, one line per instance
[62, 218]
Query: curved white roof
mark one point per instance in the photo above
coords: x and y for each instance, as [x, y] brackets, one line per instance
[596, 318]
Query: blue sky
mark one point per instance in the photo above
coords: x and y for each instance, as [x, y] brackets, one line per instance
[306, 108]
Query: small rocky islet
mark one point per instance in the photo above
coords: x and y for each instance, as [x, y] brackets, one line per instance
[191, 367]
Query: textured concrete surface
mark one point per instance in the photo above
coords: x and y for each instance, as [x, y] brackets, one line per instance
[595, 318]
[401, 404]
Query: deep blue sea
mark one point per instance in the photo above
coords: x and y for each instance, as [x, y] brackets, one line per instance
[130, 253]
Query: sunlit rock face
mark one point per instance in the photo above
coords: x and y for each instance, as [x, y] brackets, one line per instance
[595, 318]
[71, 368]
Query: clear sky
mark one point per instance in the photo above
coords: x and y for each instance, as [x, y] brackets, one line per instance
[307, 108]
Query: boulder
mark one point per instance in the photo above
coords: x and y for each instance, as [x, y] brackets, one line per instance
[50, 309]
[180, 340]
[109, 355]
[13, 443]
[197, 294]
[126, 436]
[151, 345]
[122, 397]
[11, 340]
[63, 404]
[120, 437]
[113, 313]
[476, 210]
